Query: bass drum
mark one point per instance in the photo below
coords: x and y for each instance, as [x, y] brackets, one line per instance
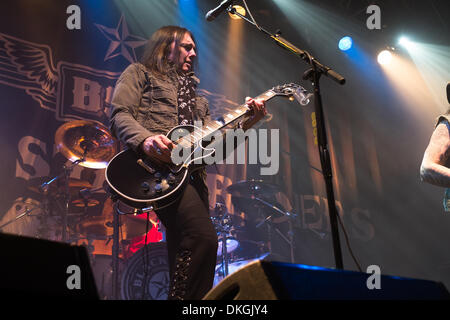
[146, 274]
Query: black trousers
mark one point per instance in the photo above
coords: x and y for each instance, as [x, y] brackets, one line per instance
[191, 242]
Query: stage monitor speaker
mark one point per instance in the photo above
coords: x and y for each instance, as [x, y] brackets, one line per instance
[35, 268]
[265, 280]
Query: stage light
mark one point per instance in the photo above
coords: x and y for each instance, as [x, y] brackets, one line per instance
[384, 57]
[239, 10]
[405, 42]
[345, 43]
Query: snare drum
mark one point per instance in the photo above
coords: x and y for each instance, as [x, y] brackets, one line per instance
[232, 244]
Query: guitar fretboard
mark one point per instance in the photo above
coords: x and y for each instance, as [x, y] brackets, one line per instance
[212, 126]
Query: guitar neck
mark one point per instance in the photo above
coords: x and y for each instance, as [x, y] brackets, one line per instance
[212, 126]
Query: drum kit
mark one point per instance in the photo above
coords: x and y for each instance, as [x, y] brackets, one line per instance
[239, 244]
[68, 209]
[69, 213]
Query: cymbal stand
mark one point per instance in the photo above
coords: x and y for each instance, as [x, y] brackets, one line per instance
[223, 227]
[268, 220]
[115, 250]
[66, 174]
[224, 254]
[116, 243]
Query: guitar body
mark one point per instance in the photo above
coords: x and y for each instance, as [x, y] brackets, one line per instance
[141, 182]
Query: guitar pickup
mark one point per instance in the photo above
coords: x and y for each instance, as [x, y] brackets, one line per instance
[145, 166]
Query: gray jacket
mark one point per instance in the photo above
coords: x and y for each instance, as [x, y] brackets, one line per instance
[144, 105]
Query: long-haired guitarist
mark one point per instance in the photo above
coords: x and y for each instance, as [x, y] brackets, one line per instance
[149, 99]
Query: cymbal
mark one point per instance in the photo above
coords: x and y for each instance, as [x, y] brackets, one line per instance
[249, 188]
[86, 138]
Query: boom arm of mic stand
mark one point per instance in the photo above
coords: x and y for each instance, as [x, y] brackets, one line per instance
[293, 49]
[308, 58]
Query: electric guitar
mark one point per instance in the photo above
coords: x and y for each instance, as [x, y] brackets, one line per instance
[143, 182]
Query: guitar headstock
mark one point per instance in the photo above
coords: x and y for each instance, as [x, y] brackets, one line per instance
[291, 91]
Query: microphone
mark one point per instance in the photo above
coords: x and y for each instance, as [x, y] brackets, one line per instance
[214, 13]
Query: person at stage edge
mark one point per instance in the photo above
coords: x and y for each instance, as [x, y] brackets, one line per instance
[435, 167]
[149, 99]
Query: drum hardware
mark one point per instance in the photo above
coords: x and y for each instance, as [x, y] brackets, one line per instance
[27, 212]
[99, 250]
[86, 143]
[233, 267]
[250, 188]
[67, 170]
[85, 200]
[251, 195]
[223, 222]
[115, 236]
[101, 227]
[268, 220]
[85, 203]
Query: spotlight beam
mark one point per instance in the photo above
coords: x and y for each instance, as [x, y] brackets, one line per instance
[317, 69]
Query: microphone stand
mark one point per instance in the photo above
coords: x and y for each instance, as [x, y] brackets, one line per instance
[314, 74]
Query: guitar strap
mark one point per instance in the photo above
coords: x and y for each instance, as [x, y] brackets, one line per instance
[186, 99]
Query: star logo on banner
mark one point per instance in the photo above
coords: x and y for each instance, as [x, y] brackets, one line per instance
[159, 285]
[122, 43]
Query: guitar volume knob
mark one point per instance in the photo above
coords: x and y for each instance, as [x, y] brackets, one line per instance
[158, 188]
[171, 179]
[145, 186]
